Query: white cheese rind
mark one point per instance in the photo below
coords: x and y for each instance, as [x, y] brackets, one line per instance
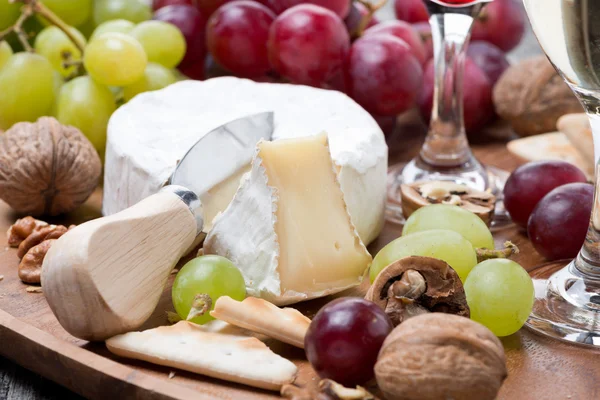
[149, 135]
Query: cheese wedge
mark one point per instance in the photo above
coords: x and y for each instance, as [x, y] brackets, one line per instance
[288, 227]
[217, 350]
[257, 315]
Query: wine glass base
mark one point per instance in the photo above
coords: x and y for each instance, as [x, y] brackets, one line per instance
[478, 177]
[567, 306]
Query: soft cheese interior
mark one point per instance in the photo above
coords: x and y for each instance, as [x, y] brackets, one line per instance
[152, 132]
[288, 228]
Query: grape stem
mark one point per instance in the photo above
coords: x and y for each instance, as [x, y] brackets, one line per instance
[45, 12]
[201, 304]
[30, 8]
[486, 254]
[371, 8]
[17, 28]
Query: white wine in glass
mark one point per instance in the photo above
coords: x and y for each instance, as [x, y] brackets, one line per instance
[567, 304]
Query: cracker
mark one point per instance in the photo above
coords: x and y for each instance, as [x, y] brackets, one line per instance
[257, 315]
[216, 349]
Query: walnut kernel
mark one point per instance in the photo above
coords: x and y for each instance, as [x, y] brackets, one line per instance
[30, 268]
[22, 228]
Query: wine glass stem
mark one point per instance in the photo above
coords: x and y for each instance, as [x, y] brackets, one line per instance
[446, 143]
[588, 260]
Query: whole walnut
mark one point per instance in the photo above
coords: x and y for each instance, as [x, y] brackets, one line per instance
[440, 356]
[532, 97]
[46, 168]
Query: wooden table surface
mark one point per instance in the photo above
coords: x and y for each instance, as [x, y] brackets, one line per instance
[19, 383]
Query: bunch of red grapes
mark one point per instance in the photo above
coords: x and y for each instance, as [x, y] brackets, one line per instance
[387, 68]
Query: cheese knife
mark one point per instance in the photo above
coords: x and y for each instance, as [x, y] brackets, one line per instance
[106, 276]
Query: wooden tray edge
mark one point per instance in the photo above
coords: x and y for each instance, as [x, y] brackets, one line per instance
[80, 370]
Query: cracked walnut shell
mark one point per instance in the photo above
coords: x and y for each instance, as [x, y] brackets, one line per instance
[46, 168]
[441, 356]
[418, 285]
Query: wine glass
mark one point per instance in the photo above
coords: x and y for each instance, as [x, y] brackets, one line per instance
[446, 154]
[567, 304]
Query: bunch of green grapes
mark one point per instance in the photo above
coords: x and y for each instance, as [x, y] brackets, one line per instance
[124, 54]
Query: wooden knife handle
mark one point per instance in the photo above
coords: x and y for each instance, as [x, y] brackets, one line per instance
[105, 277]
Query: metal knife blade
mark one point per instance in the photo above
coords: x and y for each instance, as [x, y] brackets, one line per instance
[222, 152]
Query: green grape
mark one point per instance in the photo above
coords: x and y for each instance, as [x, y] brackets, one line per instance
[52, 43]
[86, 105]
[163, 42]
[437, 243]
[58, 83]
[155, 77]
[9, 13]
[131, 10]
[115, 59]
[212, 275]
[444, 216]
[117, 25]
[72, 12]
[5, 52]
[26, 89]
[500, 295]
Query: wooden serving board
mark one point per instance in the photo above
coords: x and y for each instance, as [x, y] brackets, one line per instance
[539, 368]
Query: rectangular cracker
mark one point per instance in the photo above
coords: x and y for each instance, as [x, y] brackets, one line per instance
[216, 349]
[257, 315]
[550, 146]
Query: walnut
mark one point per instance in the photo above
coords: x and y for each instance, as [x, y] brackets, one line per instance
[46, 168]
[532, 97]
[417, 285]
[420, 194]
[21, 229]
[30, 268]
[441, 356]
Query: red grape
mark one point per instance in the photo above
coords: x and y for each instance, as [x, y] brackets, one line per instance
[212, 69]
[559, 223]
[489, 58]
[529, 183]
[340, 7]
[424, 30]
[207, 7]
[402, 30]
[158, 4]
[336, 83]
[308, 44]
[411, 10]
[383, 75]
[344, 339]
[236, 36]
[355, 16]
[502, 22]
[195, 70]
[192, 24]
[478, 107]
